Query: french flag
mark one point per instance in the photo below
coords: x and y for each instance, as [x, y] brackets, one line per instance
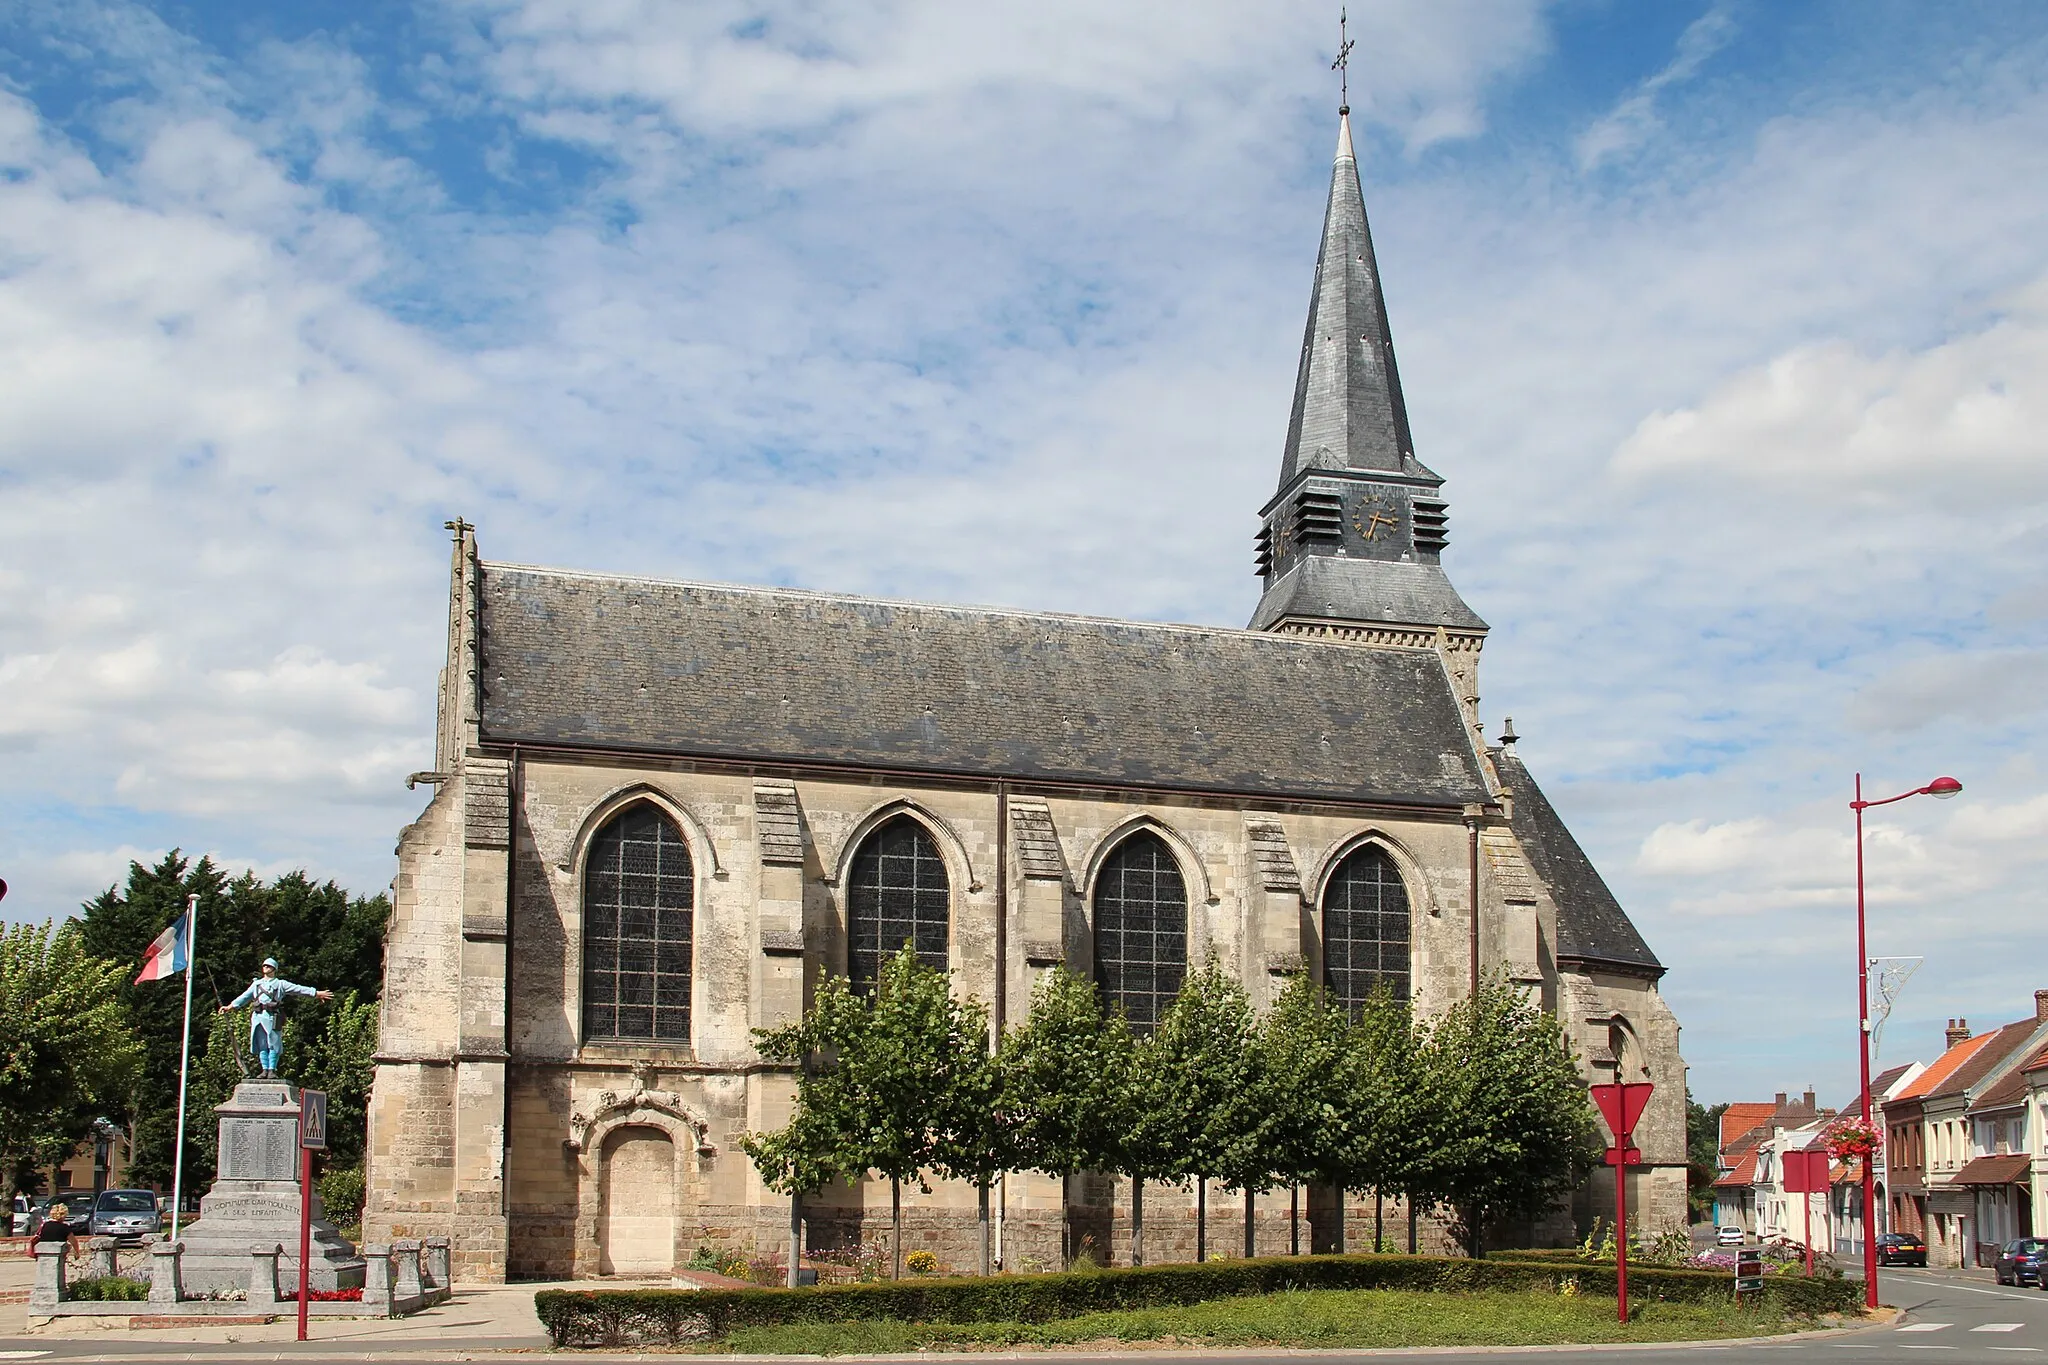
[170, 954]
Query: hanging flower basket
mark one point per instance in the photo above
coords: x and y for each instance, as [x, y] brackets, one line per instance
[1851, 1139]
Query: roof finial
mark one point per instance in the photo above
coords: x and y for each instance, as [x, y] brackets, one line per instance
[1342, 66]
[1508, 735]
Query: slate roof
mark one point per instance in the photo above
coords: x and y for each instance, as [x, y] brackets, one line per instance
[1591, 925]
[1348, 409]
[1349, 422]
[1332, 588]
[783, 676]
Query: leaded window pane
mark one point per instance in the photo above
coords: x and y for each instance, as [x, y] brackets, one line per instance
[638, 914]
[1365, 929]
[897, 894]
[1141, 929]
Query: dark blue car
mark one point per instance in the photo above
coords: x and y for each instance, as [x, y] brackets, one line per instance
[2020, 1261]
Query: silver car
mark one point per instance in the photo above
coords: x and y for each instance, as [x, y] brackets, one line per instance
[126, 1215]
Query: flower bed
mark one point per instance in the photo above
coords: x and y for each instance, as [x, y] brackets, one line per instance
[324, 1295]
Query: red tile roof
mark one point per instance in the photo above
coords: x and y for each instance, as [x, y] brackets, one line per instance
[1993, 1170]
[1742, 1177]
[1945, 1066]
[1740, 1120]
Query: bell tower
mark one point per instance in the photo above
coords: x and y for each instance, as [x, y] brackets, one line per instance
[1350, 547]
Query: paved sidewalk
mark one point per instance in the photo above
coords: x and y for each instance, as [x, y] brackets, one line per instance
[481, 1317]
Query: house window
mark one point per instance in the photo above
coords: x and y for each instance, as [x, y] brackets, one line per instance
[1141, 929]
[1365, 928]
[897, 894]
[638, 907]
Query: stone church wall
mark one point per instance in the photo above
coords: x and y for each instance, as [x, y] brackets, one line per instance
[769, 925]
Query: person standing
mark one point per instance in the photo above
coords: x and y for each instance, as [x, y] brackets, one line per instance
[268, 993]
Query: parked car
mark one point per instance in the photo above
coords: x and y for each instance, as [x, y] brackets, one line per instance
[2020, 1261]
[1730, 1236]
[1901, 1248]
[78, 1210]
[126, 1215]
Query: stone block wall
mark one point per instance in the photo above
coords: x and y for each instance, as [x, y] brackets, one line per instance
[503, 1151]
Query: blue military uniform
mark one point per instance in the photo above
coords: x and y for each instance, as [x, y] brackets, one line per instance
[266, 1023]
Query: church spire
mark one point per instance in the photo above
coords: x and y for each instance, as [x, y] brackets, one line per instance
[1348, 410]
[1352, 540]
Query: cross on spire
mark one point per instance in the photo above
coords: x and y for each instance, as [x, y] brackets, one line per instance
[1342, 66]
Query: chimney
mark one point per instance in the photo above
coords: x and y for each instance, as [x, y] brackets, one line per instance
[1959, 1029]
[2041, 1004]
[1781, 1094]
[1810, 1105]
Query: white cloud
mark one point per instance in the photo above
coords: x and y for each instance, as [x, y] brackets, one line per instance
[1003, 305]
[1634, 120]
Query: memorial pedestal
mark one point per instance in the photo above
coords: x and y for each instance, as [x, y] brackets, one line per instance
[255, 1199]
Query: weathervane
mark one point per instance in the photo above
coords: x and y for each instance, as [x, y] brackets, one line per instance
[1342, 66]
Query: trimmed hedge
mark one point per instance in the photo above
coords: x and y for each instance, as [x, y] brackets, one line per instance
[615, 1317]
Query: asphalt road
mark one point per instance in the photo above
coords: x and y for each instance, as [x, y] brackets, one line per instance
[1953, 1317]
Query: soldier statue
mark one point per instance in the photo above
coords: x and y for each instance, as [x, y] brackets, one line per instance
[266, 1024]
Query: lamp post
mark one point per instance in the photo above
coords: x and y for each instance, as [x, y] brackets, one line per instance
[1941, 788]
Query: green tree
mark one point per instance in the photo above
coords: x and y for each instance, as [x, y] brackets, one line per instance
[337, 1056]
[1509, 1130]
[1390, 1132]
[67, 1049]
[1702, 1156]
[883, 1076]
[320, 934]
[1305, 1059]
[1063, 1073]
[1201, 1081]
[975, 1128]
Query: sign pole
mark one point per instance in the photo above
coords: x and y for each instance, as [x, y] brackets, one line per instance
[1807, 1199]
[1621, 1233]
[312, 1138]
[1621, 1104]
[305, 1233]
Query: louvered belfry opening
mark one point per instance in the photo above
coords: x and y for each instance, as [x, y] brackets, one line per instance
[638, 906]
[897, 894]
[1141, 929]
[1365, 929]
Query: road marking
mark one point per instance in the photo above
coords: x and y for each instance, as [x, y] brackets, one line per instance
[1998, 1327]
[2034, 1349]
[1926, 1326]
[22, 1355]
[1927, 1348]
[1964, 1288]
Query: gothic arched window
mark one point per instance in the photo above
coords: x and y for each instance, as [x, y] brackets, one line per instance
[1365, 929]
[639, 900]
[897, 894]
[1141, 929]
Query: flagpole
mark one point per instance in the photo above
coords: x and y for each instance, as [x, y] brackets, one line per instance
[184, 1059]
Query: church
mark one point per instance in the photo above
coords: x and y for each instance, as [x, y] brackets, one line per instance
[665, 811]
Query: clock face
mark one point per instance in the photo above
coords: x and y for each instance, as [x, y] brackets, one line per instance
[1376, 518]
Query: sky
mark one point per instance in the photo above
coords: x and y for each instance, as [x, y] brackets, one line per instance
[1726, 322]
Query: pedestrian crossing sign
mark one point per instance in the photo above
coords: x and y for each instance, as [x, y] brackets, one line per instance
[313, 1120]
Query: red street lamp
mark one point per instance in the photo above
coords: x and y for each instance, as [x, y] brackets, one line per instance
[1941, 788]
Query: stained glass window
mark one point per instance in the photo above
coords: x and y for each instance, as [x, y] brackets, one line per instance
[638, 904]
[1141, 929]
[897, 894]
[1365, 928]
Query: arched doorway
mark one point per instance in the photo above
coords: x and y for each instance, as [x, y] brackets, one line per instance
[636, 1224]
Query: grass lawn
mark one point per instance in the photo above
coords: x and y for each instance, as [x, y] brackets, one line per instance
[1328, 1317]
